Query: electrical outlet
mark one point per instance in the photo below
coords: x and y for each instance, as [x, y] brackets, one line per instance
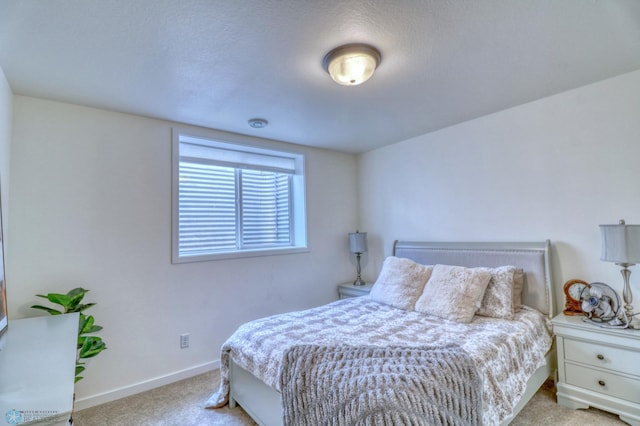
[184, 340]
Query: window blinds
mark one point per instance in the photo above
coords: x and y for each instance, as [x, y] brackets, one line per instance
[232, 200]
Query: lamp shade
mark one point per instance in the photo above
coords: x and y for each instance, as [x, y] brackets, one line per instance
[358, 242]
[620, 243]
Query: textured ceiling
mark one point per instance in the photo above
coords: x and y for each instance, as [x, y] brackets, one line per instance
[217, 63]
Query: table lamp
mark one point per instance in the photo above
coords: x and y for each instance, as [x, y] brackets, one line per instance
[358, 245]
[621, 245]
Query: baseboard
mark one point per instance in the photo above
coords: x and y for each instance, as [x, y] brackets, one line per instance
[102, 398]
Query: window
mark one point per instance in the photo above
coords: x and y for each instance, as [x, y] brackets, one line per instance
[233, 200]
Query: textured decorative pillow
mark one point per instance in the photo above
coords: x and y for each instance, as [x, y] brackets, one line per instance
[518, 289]
[454, 292]
[400, 282]
[498, 298]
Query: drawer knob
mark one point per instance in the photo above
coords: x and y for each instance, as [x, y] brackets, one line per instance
[601, 382]
[600, 356]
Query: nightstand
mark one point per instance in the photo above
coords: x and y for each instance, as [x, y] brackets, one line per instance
[598, 367]
[349, 290]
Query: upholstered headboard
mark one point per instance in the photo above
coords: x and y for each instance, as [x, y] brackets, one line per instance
[533, 258]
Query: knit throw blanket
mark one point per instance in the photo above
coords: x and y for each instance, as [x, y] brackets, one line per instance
[380, 386]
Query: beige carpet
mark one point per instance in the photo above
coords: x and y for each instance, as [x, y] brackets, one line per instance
[181, 404]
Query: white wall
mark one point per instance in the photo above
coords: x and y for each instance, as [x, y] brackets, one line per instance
[555, 168]
[6, 113]
[91, 206]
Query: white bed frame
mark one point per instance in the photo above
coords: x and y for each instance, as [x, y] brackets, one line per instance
[263, 403]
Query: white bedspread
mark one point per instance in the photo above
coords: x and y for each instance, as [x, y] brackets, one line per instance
[506, 353]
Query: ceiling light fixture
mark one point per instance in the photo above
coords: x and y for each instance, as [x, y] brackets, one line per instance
[258, 123]
[351, 64]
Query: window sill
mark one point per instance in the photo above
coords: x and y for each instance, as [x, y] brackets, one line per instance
[239, 254]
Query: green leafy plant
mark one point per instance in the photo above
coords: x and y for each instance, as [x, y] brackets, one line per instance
[88, 344]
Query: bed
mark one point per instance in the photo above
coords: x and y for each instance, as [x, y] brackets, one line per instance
[252, 373]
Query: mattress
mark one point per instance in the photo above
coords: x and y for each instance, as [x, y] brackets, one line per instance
[506, 352]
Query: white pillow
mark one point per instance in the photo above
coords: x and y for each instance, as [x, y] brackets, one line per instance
[498, 300]
[453, 292]
[400, 282]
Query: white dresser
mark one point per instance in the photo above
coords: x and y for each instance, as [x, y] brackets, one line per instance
[598, 367]
[37, 370]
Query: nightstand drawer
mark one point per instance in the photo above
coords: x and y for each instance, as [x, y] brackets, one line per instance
[603, 382]
[349, 290]
[615, 359]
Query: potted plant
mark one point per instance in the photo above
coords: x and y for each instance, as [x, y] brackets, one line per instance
[88, 344]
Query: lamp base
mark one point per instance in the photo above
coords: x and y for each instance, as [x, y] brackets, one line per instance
[627, 296]
[358, 280]
[634, 323]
